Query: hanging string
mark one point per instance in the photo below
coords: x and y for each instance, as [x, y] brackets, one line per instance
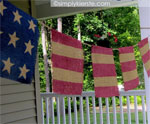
[42, 23]
[49, 28]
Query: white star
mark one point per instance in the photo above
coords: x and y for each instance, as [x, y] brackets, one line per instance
[2, 8]
[17, 16]
[8, 65]
[29, 47]
[23, 70]
[32, 25]
[13, 39]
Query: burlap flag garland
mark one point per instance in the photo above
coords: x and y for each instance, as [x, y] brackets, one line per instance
[128, 67]
[145, 53]
[105, 78]
[67, 66]
[67, 62]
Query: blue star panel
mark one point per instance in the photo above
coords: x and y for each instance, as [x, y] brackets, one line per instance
[18, 43]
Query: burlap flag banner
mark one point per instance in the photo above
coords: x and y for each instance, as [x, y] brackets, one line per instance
[128, 67]
[145, 53]
[67, 63]
[105, 78]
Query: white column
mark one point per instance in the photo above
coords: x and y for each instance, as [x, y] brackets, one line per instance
[45, 58]
[59, 24]
[144, 9]
[59, 28]
[79, 32]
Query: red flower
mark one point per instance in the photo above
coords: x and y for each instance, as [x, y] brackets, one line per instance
[109, 34]
[116, 40]
[97, 35]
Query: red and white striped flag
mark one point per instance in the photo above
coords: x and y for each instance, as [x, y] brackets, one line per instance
[128, 67]
[105, 78]
[145, 52]
[67, 64]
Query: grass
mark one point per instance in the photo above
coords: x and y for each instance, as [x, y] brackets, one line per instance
[104, 118]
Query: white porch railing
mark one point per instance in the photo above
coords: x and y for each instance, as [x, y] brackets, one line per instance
[45, 97]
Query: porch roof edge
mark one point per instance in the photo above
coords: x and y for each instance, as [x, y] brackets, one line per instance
[45, 11]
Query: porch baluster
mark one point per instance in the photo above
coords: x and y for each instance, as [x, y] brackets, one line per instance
[114, 110]
[94, 110]
[100, 110]
[58, 111]
[81, 110]
[75, 110]
[87, 110]
[136, 110]
[63, 108]
[42, 108]
[52, 108]
[47, 110]
[143, 110]
[121, 110]
[69, 111]
[128, 110]
[107, 110]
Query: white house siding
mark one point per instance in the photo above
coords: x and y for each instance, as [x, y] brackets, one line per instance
[18, 102]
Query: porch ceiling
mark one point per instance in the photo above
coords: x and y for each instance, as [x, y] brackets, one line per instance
[44, 10]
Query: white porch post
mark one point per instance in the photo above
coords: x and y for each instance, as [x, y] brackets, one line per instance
[144, 9]
[79, 32]
[45, 59]
[59, 28]
[59, 24]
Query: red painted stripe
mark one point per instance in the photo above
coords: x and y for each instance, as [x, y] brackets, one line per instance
[102, 50]
[67, 63]
[146, 57]
[104, 70]
[67, 88]
[65, 39]
[106, 91]
[129, 85]
[126, 50]
[128, 66]
[143, 42]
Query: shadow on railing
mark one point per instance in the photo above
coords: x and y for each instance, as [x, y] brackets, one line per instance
[90, 110]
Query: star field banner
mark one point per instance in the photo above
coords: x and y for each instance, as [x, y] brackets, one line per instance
[128, 67]
[145, 53]
[19, 39]
[67, 63]
[104, 72]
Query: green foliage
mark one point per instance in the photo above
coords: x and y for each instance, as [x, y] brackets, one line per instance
[125, 22]
[41, 68]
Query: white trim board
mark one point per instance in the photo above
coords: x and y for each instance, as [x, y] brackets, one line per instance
[45, 11]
